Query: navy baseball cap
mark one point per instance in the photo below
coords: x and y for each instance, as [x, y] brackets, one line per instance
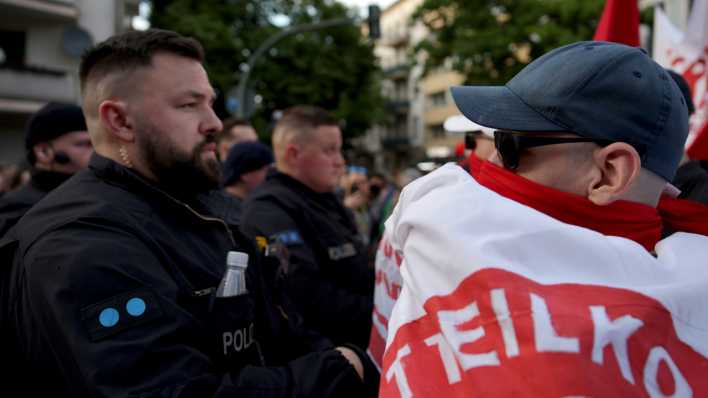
[593, 89]
[245, 157]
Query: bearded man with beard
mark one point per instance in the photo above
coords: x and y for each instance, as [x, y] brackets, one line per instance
[112, 289]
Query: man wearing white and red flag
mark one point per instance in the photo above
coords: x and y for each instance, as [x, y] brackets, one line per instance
[620, 24]
[544, 272]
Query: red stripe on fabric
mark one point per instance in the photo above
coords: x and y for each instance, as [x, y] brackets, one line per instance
[699, 147]
[538, 364]
[635, 221]
[684, 215]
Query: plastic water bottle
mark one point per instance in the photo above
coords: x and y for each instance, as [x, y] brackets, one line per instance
[234, 281]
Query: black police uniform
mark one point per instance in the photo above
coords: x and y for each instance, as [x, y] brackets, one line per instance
[328, 276]
[15, 204]
[282, 335]
[112, 295]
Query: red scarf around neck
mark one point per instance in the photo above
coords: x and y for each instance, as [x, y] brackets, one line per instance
[638, 222]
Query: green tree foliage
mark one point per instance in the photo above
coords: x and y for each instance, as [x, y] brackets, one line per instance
[489, 41]
[334, 68]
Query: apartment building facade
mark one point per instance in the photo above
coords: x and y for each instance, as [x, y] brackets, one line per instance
[41, 42]
[400, 137]
[416, 105]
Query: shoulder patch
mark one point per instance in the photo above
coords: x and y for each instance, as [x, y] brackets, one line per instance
[262, 243]
[289, 237]
[121, 312]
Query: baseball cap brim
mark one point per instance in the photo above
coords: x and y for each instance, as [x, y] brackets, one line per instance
[460, 124]
[499, 108]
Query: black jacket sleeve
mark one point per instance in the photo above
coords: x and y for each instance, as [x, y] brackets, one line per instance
[11, 211]
[73, 317]
[340, 314]
[692, 180]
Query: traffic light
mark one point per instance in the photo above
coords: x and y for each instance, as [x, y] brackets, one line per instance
[374, 25]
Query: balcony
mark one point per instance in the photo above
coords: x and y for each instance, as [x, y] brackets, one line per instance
[398, 72]
[38, 10]
[395, 143]
[398, 106]
[397, 39]
[37, 85]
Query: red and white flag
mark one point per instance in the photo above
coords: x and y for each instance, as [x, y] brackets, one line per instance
[619, 23]
[686, 53]
[386, 291]
[497, 299]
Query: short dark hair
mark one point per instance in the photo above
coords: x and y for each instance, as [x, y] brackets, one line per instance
[296, 125]
[305, 117]
[685, 90]
[135, 49]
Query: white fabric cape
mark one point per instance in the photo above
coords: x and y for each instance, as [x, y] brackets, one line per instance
[498, 299]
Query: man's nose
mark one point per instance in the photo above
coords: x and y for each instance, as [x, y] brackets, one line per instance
[212, 124]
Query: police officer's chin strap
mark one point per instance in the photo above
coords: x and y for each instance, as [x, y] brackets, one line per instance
[124, 156]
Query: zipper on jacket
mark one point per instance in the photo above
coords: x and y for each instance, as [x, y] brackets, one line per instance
[210, 290]
[213, 219]
[199, 215]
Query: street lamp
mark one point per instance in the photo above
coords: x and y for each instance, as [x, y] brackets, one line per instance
[374, 33]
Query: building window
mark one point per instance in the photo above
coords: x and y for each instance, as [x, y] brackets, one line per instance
[12, 49]
[400, 91]
[438, 99]
[437, 131]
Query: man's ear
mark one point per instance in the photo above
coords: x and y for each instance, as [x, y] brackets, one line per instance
[618, 165]
[43, 153]
[114, 116]
[292, 152]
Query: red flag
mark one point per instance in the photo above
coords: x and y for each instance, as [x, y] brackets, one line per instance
[619, 23]
[699, 147]
[687, 54]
